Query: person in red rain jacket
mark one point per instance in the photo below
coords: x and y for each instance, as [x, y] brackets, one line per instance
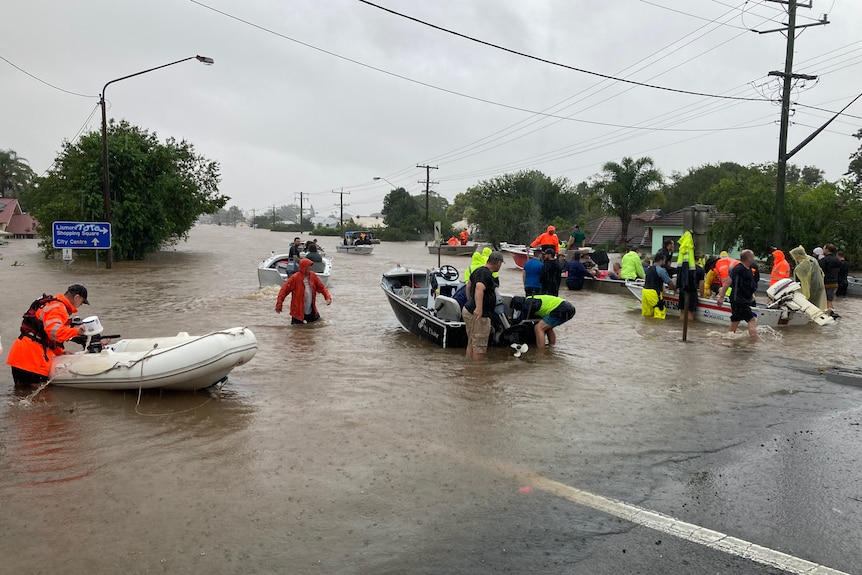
[304, 285]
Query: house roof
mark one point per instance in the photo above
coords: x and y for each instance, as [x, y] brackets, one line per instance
[677, 218]
[608, 229]
[15, 221]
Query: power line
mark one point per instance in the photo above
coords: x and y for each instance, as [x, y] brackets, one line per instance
[552, 62]
[20, 69]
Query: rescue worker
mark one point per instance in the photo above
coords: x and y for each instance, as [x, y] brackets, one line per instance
[744, 282]
[780, 267]
[453, 241]
[656, 278]
[632, 267]
[810, 277]
[477, 260]
[304, 285]
[44, 330]
[554, 311]
[549, 239]
[464, 237]
[712, 281]
[576, 238]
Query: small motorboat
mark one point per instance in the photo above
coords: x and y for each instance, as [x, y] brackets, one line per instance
[423, 304]
[452, 250]
[180, 362]
[776, 314]
[609, 286]
[854, 286]
[275, 269]
[360, 250]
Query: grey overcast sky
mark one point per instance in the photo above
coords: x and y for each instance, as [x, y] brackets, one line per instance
[314, 95]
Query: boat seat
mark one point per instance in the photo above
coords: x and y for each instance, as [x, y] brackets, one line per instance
[318, 267]
[447, 308]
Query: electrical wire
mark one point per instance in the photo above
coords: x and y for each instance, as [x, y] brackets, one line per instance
[550, 62]
[38, 79]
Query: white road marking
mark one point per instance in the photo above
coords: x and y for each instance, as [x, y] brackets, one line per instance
[660, 522]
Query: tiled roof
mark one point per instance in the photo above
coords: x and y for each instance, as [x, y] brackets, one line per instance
[677, 218]
[609, 229]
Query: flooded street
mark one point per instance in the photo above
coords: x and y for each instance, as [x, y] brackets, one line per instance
[350, 446]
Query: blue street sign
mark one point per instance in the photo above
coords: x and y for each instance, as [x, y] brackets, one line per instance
[82, 235]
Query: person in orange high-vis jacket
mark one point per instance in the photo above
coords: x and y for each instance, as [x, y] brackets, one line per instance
[43, 335]
[780, 267]
[453, 241]
[549, 239]
[724, 265]
[304, 285]
[464, 237]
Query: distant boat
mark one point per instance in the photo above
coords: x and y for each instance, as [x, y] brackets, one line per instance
[454, 250]
[275, 269]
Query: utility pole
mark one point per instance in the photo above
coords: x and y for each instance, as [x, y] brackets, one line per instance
[253, 212]
[427, 183]
[788, 76]
[341, 201]
[301, 196]
[273, 215]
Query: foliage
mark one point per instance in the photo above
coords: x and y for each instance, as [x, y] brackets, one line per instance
[517, 207]
[405, 215]
[750, 197]
[628, 188]
[158, 189]
[693, 187]
[854, 170]
[15, 174]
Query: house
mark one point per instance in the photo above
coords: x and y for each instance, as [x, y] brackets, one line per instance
[324, 221]
[14, 221]
[372, 221]
[670, 227]
[607, 231]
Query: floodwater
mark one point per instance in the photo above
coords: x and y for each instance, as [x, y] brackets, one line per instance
[350, 446]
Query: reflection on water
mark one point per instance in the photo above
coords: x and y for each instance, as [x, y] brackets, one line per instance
[333, 450]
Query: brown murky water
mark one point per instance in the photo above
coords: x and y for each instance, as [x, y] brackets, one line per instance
[350, 446]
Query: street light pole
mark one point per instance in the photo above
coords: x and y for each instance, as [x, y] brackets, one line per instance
[106, 186]
[394, 187]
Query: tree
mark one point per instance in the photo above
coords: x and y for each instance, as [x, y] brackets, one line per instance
[15, 174]
[750, 198]
[516, 207]
[628, 188]
[158, 189]
[854, 170]
[693, 186]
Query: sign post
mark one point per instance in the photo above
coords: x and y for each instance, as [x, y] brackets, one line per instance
[68, 236]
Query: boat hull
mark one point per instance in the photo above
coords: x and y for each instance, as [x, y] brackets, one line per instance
[447, 250]
[181, 362]
[614, 287]
[361, 250]
[519, 256]
[413, 308]
[708, 311]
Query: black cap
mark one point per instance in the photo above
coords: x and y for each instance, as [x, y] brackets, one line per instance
[80, 290]
[550, 251]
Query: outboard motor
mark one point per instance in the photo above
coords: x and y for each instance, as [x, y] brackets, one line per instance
[786, 293]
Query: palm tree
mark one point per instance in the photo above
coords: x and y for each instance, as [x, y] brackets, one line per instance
[628, 188]
[15, 174]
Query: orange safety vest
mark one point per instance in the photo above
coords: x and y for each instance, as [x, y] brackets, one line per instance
[453, 241]
[464, 237]
[723, 267]
[780, 271]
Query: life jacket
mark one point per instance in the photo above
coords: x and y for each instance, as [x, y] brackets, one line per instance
[723, 267]
[31, 324]
[780, 267]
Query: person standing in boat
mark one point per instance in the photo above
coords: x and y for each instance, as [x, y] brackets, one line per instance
[743, 283]
[477, 312]
[549, 239]
[295, 249]
[464, 237]
[45, 328]
[780, 267]
[304, 285]
[576, 238]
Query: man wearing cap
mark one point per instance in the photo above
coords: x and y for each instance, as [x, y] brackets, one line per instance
[44, 330]
[549, 239]
[481, 299]
[551, 275]
[577, 238]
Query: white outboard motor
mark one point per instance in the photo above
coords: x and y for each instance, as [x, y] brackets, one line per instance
[786, 293]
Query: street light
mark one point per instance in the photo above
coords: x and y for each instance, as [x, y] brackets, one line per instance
[375, 178]
[106, 186]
